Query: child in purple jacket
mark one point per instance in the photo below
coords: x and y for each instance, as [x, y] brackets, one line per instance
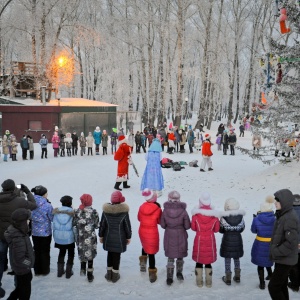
[176, 221]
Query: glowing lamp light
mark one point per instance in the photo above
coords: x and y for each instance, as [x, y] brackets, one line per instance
[62, 61]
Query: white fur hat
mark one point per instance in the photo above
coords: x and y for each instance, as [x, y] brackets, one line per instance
[231, 204]
[268, 205]
[204, 199]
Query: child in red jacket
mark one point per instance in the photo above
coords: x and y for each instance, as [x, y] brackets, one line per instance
[149, 217]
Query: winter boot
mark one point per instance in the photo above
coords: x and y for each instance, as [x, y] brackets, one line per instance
[199, 277]
[143, 263]
[60, 269]
[125, 185]
[83, 269]
[237, 275]
[227, 278]
[90, 275]
[262, 284]
[208, 277]
[152, 275]
[179, 268]
[69, 271]
[270, 272]
[170, 273]
[117, 186]
[115, 276]
[2, 292]
[108, 274]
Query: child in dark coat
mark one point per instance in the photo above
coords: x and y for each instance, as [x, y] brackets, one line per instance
[176, 221]
[20, 253]
[232, 225]
[262, 225]
[115, 233]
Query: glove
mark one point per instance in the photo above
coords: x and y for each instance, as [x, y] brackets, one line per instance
[24, 188]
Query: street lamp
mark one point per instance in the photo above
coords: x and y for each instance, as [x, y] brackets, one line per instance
[186, 112]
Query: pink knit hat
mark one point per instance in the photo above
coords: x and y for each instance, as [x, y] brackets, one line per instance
[86, 200]
[117, 197]
[150, 196]
[174, 196]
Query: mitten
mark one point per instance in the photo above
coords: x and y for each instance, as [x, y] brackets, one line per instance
[24, 188]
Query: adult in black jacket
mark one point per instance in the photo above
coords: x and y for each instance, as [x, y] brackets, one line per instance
[20, 253]
[74, 137]
[284, 244]
[115, 233]
[9, 202]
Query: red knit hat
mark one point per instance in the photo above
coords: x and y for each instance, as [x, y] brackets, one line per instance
[117, 197]
[86, 200]
[121, 138]
[150, 196]
[207, 136]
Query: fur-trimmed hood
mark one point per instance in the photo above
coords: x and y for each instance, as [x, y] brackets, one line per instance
[207, 212]
[124, 141]
[174, 209]
[109, 208]
[236, 212]
[56, 210]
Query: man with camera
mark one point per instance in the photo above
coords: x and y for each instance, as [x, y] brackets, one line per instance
[9, 202]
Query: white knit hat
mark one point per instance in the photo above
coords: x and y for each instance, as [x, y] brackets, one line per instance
[149, 195]
[268, 205]
[204, 199]
[231, 204]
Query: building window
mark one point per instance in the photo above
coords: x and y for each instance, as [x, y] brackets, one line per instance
[35, 125]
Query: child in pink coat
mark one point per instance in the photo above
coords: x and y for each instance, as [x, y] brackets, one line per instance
[205, 221]
[149, 217]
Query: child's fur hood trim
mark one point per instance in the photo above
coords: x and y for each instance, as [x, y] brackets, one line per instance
[115, 208]
[237, 212]
[207, 212]
[56, 210]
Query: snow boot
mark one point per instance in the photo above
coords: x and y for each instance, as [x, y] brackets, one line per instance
[199, 277]
[125, 185]
[115, 276]
[152, 275]
[201, 170]
[262, 284]
[210, 169]
[227, 278]
[69, 271]
[237, 275]
[83, 269]
[108, 274]
[117, 186]
[143, 263]
[179, 268]
[270, 272]
[170, 273]
[60, 269]
[208, 277]
[2, 292]
[90, 275]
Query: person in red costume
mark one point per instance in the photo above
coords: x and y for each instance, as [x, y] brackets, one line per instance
[122, 155]
[206, 154]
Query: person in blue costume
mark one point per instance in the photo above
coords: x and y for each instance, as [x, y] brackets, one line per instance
[153, 177]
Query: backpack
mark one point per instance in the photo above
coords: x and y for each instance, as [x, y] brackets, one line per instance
[166, 163]
[177, 166]
[194, 163]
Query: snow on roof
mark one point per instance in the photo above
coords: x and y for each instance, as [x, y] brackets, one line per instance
[62, 102]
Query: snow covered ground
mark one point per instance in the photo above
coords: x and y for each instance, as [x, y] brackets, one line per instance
[249, 181]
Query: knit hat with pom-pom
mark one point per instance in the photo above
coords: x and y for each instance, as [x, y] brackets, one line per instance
[207, 136]
[204, 200]
[268, 205]
[117, 197]
[174, 196]
[150, 196]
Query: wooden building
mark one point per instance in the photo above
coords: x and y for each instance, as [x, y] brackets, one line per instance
[31, 117]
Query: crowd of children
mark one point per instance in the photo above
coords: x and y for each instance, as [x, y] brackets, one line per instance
[277, 237]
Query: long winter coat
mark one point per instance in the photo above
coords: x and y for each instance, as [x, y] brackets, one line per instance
[55, 141]
[14, 146]
[5, 149]
[176, 221]
[104, 140]
[42, 217]
[90, 141]
[97, 135]
[232, 225]
[86, 221]
[149, 217]
[122, 155]
[262, 225]
[63, 225]
[21, 253]
[115, 227]
[205, 222]
[284, 243]
[206, 148]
